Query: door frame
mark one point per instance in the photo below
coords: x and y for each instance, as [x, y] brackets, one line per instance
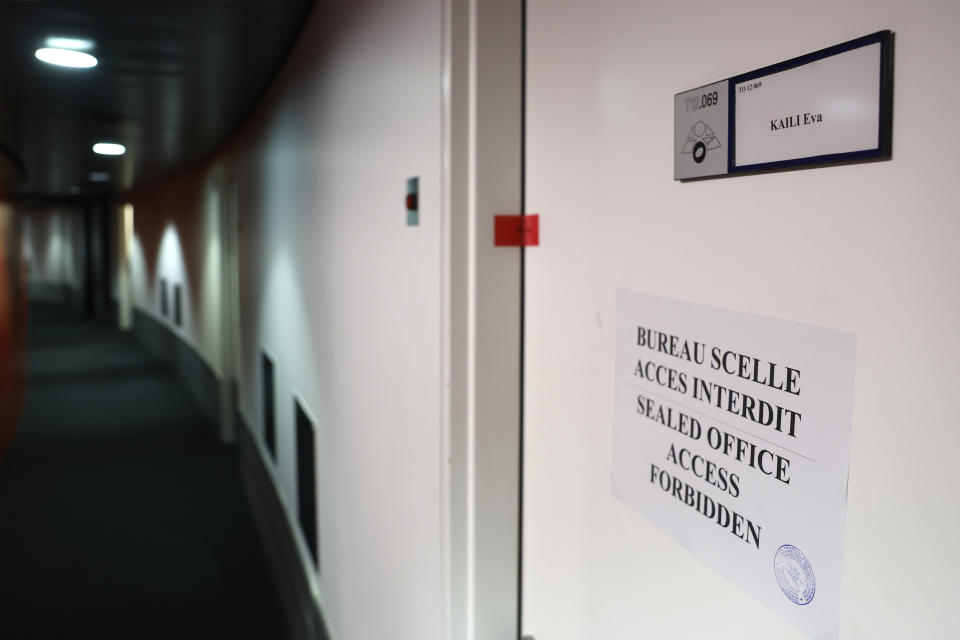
[482, 136]
[227, 188]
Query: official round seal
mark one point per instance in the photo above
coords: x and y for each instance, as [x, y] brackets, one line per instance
[794, 574]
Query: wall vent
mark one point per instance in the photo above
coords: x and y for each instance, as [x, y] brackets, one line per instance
[307, 480]
[269, 407]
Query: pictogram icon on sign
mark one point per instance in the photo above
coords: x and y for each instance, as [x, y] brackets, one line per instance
[700, 139]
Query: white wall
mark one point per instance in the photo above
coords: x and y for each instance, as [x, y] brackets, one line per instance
[142, 286]
[868, 248]
[169, 266]
[345, 298]
[176, 239]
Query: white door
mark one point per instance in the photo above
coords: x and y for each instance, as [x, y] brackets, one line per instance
[229, 304]
[124, 280]
[867, 248]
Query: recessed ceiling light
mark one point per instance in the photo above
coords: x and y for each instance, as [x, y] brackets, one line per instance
[66, 58]
[109, 149]
[99, 176]
[76, 44]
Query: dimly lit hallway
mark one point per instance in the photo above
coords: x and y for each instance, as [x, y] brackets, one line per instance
[119, 512]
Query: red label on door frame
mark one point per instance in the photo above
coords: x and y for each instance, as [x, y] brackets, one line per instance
[516, 230]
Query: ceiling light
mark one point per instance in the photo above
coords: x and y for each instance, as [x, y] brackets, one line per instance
[76, 44]
[99, 176]
[109, 149]
[66, 58]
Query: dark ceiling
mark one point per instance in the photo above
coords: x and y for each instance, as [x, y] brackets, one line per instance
[175, 77]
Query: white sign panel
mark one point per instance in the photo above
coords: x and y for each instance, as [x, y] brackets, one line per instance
[732, 434]
[829, 106]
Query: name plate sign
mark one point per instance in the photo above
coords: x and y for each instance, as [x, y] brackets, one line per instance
[829, 106]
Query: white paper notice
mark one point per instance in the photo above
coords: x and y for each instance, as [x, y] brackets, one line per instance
[732, 434]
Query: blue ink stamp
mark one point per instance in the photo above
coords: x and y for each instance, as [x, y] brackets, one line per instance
[794, 574]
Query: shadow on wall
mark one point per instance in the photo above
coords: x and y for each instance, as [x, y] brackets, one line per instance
[13, 328]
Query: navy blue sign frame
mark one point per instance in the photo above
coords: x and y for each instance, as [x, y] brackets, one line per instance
[884, 95]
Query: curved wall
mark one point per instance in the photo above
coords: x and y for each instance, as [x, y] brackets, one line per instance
[338, 290]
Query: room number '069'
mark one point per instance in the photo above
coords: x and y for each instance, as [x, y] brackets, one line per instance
[702, 101]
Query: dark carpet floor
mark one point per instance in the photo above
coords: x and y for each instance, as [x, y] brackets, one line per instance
[120, 515]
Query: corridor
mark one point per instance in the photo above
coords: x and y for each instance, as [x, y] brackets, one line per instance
[478, 320]
[120, 514]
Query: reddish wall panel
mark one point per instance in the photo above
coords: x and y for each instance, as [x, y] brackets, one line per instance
[13, 329]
